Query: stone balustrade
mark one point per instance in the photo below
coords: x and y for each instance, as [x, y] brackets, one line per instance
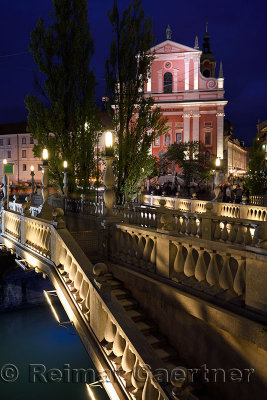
[123, 345]
[243, 211]
[211, 267]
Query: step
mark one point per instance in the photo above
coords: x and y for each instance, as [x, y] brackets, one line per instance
[120, 293]
[128, 304]
[145, 327]
[114, 283]
[135, 315]
[165, 353]
[156, 340]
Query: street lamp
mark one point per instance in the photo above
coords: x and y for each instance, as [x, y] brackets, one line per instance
[217, 178]
[5, 184]
[109, 195]
[46, 209]
[32, 175]
[65, 179]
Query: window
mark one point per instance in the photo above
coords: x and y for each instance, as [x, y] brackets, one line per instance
[167, 82]
[23, 140]
[157, 141]
[206, 73]
[178, 137]
[1, 142]
[24, 167]
[207, 155]
[9, 154]
[31, 141]
[208, 124]
[167, 140]
[8, 141]
[23, 153]
[207, 138]
[40, 167]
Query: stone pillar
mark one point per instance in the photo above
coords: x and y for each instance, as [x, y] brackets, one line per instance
[160, 83]
[196, 68]
[175, 80]
[186, 127]
[196, 127]
[220, 116]
[186, 70]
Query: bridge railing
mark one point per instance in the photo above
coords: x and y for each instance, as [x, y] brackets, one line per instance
[253, 211]
[215, 268]
[130, 357]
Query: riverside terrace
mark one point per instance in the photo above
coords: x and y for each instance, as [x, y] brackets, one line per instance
[166, 286]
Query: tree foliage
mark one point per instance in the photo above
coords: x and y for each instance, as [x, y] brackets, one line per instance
[256, 178]
[65, 101]
[191, 158]
[136, 122]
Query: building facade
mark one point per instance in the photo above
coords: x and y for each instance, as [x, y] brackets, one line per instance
[16, 146]
[183, 84]
[235, 153]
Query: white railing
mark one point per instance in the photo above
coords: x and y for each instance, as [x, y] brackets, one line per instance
[122, 344]
[244, 211]
[212, 267]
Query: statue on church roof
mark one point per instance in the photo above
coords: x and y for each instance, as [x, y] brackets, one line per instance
[168, 33]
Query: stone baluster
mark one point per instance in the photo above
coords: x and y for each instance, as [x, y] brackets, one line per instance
[232, 234]
[240, 237]
[248, 237]
[193, 226]
[138, 379]
[149, 391]
[183, 225]
[217, 231]
[153, 253]
[201, 268]
[188, 226]
[212, 276]
[199, 228]
[189, 266]
[118, 349]
[240, 278]
[178, 266]
[226, 278]
[224, 234]
[109, 335]
[147, 251]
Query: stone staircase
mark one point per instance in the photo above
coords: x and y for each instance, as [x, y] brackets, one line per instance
[154, 337]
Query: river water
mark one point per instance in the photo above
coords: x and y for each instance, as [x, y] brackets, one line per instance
[31, 336]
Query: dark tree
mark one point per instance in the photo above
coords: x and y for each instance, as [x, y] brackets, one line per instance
[256, 177]
[136, 122]
[65, 83]
[191, 158]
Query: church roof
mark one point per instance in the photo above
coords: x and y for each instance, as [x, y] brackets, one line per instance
[168, 46]
[13, 128]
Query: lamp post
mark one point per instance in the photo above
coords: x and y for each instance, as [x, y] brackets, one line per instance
[33, 182]
[46, 209]
[65, 179]
[109, 195]
[217, 178]
[6, 185]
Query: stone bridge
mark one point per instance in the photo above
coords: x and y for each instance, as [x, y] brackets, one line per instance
[156, 293]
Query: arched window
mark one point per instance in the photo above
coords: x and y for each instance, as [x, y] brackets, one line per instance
[207, 154]
[167, 140]
[206, 73]
[167, 82]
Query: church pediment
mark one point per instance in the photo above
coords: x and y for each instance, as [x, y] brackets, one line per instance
[172, 47]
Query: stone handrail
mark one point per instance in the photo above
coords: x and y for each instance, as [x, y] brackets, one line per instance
[125, 348]
[211, 267]
[244, 211]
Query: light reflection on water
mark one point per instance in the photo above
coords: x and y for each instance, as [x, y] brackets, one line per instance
[32, 337]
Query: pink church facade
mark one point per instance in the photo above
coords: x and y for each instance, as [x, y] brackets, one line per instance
[193, 103]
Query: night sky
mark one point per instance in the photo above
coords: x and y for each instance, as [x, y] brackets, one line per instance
[238, 32]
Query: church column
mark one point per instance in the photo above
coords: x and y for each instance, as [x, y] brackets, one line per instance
[220, 116]
[160, 83]
[175, 80]
[186, 127]
[196, 127]
[186, 75]
[196, 69]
